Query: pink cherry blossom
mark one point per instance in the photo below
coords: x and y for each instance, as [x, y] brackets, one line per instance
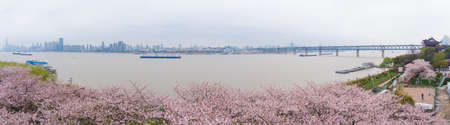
[25, 99]
[420, 68]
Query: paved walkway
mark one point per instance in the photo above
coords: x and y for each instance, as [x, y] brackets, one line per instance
[382, 84]
[443, 98]
[416, 94]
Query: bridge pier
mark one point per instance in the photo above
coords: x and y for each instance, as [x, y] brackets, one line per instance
[382, 53]
[320, 52]
[337, 52]
[357, 53]
[306, 52]
[412, 51]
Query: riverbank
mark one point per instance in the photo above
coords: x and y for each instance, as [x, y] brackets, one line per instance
[35, 70]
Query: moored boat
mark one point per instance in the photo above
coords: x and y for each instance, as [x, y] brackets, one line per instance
[160, 57]
[305, 55]
[22, 54]
[324, 54]
[363, 67]
[36, 62]
[43, 64]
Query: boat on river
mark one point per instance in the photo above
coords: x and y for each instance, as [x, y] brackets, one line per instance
[160, 57]
[22, 54]
[36, 62]
[363, 67]
[324, 54]
[306, 55]
[43, 64]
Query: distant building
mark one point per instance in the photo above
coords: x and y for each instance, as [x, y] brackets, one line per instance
[117, 47]
[121, 46]
[60, 46]
[103, 45]
[73, 48]
[5, 48]
[51, 46]
[431, 42]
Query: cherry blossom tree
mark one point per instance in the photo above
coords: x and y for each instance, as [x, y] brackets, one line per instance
[418, 68]
[328, 104]
[25, 99]
[29, 99]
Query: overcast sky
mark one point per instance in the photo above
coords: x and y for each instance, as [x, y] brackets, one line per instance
[318, 22]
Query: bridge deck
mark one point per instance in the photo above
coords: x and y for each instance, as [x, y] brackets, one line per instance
[363, 47]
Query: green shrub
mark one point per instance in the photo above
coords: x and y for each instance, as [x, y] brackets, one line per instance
[3, 64]
[447, 53]
[372, 81]
[438, 60]
[387, 62]
[404, 97]
[438, 76]
[377, 89]
[404, 59]
[40, 71]
[427, 53]
[426, 82]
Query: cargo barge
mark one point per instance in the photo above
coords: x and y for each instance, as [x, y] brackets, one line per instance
[160, 57]
[363, 67]
[22, 54]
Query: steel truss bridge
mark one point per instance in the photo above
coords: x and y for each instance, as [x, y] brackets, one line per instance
[306, 49]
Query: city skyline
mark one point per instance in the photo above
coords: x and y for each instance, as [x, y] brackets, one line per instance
[247, 22]
[121, 46]
[176, 43]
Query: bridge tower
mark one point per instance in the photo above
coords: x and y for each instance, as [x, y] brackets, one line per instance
[357, 52]
[320, 51]
[337, 52]
[306, 51]
[382, 53]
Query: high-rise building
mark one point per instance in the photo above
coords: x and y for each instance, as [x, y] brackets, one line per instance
[5, 47]
[60, 46]
[103, 45]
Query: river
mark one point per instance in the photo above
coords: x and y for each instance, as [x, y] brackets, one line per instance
[98, 70]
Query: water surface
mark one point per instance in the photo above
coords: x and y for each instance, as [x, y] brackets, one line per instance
[99, 70]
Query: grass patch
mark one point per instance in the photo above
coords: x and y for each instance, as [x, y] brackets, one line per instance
[391, 82]
[373, 81]
[3, 64]
[35, 70]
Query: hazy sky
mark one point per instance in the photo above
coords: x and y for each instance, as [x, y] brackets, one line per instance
[245, 21]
